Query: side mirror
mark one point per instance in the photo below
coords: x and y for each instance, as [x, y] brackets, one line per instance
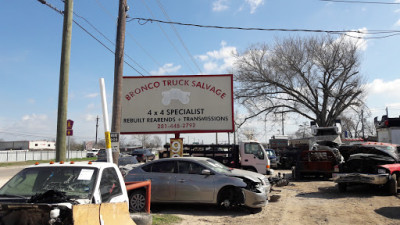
[205, 172]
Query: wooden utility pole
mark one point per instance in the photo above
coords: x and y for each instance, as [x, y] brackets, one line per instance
[63, 85]
[118, 72]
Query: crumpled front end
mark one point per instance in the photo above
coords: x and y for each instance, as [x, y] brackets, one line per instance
[256, 193]
[377, 179]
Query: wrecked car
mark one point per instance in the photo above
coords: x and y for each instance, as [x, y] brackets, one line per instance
[319, 161]
[369, 163]
[200, 180]
[65, 194]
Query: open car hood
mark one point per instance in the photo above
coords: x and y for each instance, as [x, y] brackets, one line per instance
[347, 150]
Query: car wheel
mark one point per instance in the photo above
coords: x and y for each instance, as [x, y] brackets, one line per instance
[392, 185]
[296, 175]
[342, 187]
[226, 198]
[137, 201]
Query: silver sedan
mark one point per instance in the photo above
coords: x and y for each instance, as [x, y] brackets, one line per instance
[199, 180]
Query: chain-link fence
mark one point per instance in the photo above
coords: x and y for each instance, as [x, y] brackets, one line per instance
[23, 155]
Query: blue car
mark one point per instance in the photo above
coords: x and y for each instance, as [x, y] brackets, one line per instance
[272, 158]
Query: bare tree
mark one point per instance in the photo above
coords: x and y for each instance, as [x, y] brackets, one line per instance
[156, 141]
[143, 139]
[315, 77]
[356, 124]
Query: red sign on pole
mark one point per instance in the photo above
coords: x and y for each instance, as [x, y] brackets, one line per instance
[70, 132]
[70, 123]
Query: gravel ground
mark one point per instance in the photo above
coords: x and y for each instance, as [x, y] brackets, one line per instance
[304, 202]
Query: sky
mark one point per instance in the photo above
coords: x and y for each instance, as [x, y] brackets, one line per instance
[30, 53]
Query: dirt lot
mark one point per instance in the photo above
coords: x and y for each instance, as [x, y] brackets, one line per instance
[305, 202]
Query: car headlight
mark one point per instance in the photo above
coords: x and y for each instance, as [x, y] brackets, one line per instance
[381, 171]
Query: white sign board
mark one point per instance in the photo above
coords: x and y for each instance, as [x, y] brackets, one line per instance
[114, 141]
[177, 104]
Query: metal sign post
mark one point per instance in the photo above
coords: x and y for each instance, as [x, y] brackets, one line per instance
[105, 119]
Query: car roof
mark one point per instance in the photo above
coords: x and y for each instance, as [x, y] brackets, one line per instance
[183, 159]
[99, 165]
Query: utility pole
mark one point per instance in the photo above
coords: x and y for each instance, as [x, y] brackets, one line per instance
[63, 84]
[283, 125]
[362, 124]
[97, 128]
[118, 72]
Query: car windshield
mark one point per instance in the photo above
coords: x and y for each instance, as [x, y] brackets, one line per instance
[270, 153]
[76, 182]
[215, 165]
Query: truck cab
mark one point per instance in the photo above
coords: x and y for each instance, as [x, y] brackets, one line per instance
[254, 157]
[60, 190]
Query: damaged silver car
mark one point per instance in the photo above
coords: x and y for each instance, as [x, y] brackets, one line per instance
[199, 180]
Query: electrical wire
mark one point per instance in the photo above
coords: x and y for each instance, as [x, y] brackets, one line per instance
[130, 36]
[363, 2]
[169, 40]
[342, 32]
[100, 42]
[179, 37]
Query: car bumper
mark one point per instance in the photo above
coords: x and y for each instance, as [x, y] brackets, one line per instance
[257, 200]
[377, 179]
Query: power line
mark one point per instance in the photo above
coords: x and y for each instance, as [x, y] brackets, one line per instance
[342, 32]
[169, 40]
[80, 26]
[363, 2]
[179, 37]
[131, 36]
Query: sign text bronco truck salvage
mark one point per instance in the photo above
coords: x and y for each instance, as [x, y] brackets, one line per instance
[177, 104]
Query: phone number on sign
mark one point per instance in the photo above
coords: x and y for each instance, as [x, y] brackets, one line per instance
[176, 125]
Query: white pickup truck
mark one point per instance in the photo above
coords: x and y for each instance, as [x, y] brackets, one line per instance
[65, 193]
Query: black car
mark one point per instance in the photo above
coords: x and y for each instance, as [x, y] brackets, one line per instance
[143, 154]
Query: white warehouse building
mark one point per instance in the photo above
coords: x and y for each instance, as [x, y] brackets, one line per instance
[27, 145]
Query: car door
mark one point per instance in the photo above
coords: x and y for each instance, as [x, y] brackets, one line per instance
[111, 187]
[162, 176]
[191, 185]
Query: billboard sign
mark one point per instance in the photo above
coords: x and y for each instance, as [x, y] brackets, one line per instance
[177, 104]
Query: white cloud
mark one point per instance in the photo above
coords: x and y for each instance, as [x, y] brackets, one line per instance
[219, 61]
[34, 117]
[357, 37]
[378, 86]
[397, 24]
[92, 95]
[382, 94]
[254, 4]
[166, 69]
[31, 101]
[91, 106]
[220, 5]
[90, 117]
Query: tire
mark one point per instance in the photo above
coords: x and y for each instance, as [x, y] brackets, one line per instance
[392, 185]
[296, 175]
[137, 201]
[342, 187]
[226, 198]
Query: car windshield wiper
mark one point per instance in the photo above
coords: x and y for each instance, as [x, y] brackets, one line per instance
[18, 196]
